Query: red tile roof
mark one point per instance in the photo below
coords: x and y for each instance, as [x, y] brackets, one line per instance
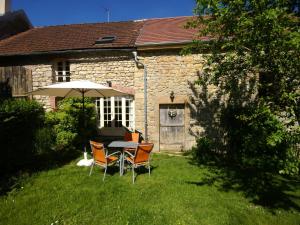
[83, 36]
[70, 37]
[165, 31]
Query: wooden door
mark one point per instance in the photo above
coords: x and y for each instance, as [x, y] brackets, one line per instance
[171, 127]
[15, 81]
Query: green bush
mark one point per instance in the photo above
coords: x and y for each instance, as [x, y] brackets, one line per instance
[203, 151]
[19, 122]
[44, 140]
[255, 138]
[68, 124]
[291, 165]
[258, 139]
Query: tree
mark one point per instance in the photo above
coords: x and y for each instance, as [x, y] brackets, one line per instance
[254, 40]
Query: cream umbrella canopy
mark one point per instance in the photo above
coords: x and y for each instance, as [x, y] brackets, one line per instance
[79, 88]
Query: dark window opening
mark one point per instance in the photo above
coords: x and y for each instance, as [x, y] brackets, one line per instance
[105, 39]
[62, 72]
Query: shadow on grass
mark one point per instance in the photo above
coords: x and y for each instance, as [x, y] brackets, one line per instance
[99, 171]
[140, 170]
[261, 188]
[10, 180]
[115, 170]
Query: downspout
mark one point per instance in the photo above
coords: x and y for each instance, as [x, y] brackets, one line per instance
[139, 63]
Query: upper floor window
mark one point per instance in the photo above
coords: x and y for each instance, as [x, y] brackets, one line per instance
[62, 72]
[115, 112]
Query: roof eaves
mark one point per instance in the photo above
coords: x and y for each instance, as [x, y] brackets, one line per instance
[68, 51]
[163, 43]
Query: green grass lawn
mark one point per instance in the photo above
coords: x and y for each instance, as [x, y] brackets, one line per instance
[177, 192]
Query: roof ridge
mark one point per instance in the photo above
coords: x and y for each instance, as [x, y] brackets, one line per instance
[121, 21]
[161, 18]
[95, 23]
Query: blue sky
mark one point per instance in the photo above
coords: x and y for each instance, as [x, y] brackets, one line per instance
[54, 12]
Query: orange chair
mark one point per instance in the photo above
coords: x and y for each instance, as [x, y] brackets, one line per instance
[140, 158]
[132, 137]
[101, 157]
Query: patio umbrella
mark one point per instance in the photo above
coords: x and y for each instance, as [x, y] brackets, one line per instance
[80, 88]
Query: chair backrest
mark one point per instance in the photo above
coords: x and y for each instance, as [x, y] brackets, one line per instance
[142, 153]
[98, 152]
[127, 136]
[134, 137]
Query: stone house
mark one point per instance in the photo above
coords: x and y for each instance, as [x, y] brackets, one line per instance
[121, 54]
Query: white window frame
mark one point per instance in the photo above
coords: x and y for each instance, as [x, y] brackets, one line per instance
[100, 112]
[65, 72]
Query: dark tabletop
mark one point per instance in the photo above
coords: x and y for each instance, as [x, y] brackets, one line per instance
[123, 144]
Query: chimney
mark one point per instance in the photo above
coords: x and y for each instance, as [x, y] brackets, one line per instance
[4, 7]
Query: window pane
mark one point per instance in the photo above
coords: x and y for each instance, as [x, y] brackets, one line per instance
[107, 112]
[118, 112]
[67, 68]
[63, 72]
[128, 112]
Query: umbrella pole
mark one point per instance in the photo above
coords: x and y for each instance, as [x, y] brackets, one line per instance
[83, 119]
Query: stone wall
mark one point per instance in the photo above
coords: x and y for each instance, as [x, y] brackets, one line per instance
[167, 71]
[118, 69]
[42, 75]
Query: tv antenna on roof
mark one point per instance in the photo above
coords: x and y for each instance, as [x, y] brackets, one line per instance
[108, 13]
